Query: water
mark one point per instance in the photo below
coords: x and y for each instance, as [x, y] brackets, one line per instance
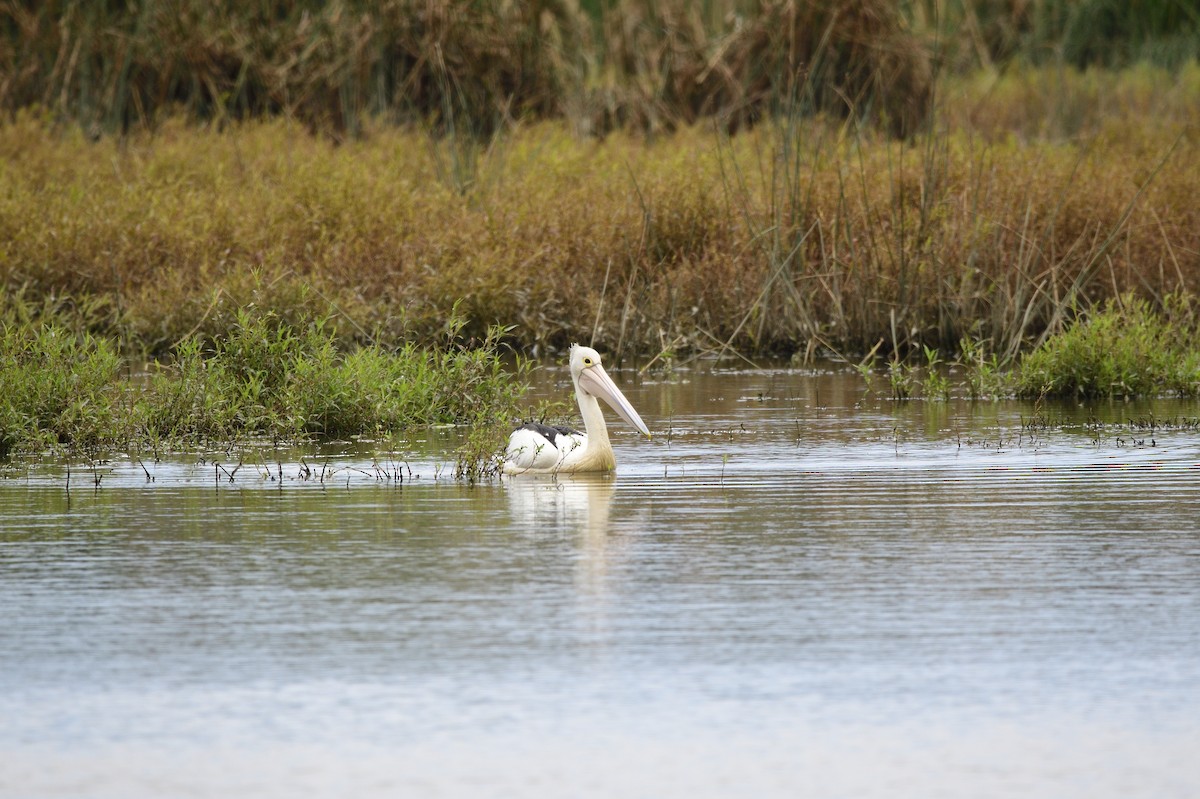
[796, 589]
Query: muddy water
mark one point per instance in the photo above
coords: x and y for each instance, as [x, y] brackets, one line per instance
[796, 589]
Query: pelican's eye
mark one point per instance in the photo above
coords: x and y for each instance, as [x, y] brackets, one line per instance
[588, 361]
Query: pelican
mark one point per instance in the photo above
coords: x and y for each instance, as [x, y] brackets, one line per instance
[541, 449]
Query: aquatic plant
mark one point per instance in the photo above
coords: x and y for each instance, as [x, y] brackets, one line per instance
[270, 378]
[985, 375]
[936, 384]
[59, 388]
[902, 378]
[1125, 349]
[266, 380]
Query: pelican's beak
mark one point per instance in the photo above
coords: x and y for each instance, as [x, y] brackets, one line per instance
[596, 382]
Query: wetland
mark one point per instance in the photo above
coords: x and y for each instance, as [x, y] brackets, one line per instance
[273, 283]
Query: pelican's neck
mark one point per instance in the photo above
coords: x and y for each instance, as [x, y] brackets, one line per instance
[596, 454]
[593, 421]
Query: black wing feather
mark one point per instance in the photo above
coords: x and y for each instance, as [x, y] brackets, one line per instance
[549, 432]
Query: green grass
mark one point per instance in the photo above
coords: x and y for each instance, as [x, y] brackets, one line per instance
[268, 380]
[1127, 349]
[58, 389]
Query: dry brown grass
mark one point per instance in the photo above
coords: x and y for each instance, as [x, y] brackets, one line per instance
[795, 236]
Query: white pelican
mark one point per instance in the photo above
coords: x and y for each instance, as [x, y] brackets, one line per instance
[541, 449]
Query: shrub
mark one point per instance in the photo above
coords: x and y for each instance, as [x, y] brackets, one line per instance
[1125, 349]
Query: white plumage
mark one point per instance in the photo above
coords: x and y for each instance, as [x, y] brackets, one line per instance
[541, 449]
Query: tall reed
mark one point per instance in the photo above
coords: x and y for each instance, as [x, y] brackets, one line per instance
[460, 65]
[1073, 33]
[812, 231]
[474, 67]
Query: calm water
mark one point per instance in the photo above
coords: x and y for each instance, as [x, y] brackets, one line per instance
[796, 589]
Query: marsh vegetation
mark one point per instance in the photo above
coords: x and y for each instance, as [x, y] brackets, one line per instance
[789, 238]
[306, 213]
[266, 379]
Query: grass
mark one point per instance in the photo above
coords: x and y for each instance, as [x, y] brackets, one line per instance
[267, 380]
[1125, 350]
[1075, 33]
[471, 67]
[802, 236]
[58, 389]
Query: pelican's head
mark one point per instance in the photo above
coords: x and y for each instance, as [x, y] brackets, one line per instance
[591, 380]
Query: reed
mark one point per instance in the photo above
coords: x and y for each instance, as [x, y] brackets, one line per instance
[470, 67]
[464, 67]
[1075, 33]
